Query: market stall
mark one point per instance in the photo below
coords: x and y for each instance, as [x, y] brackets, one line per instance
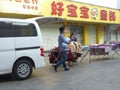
[103, 50]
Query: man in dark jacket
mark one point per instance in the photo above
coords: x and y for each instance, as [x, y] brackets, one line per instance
[62, 49]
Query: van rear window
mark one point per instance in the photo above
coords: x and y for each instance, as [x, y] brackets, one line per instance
[5, 29]
[8, 29]
[24, 30]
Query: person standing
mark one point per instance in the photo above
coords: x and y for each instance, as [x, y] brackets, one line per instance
[62, 49]
[73, 37]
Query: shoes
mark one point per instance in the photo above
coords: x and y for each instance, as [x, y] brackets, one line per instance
[67, 69]
[55, 67]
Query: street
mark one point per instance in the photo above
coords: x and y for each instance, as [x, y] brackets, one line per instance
[97, 75]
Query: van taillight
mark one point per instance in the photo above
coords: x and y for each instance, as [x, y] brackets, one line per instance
[42, 51]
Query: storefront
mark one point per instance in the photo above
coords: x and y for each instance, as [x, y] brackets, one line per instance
[87, 21]
[90, 23]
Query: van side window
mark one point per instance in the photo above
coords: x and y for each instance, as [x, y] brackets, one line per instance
[24, 30]
[5, 29]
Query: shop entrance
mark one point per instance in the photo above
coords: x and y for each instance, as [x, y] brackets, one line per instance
[79, 32]
[111, 34]
[92, 34]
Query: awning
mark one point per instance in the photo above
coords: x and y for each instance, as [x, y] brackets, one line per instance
[44, 20]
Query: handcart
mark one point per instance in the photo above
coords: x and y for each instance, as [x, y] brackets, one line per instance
[54, 56]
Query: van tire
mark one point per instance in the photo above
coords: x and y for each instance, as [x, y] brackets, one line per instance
[22, 69]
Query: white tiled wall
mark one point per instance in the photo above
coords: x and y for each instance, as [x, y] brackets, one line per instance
[50, 34]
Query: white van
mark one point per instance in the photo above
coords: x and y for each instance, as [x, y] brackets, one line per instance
[21, 46]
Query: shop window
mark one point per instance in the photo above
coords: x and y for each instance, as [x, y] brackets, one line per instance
[114, 35]
[79, 32]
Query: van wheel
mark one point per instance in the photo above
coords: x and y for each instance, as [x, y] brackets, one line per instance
[22, 69]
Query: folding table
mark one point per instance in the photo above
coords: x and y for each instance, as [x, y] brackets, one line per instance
[116, 50]
[100, 50]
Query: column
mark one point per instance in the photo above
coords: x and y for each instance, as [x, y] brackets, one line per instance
[100, 34]
[85, 35]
